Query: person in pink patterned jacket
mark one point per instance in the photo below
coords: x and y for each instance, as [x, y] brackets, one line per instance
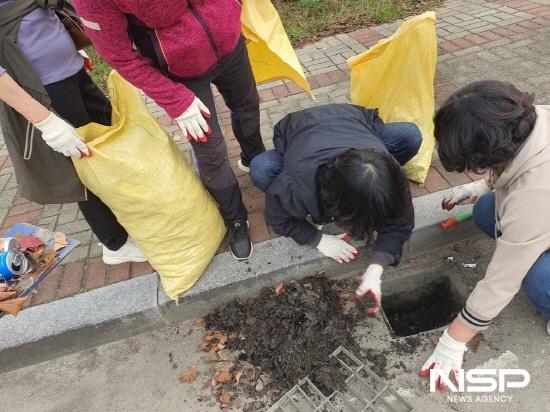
[173, 50]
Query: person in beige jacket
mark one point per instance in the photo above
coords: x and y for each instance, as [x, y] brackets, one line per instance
[491, 126]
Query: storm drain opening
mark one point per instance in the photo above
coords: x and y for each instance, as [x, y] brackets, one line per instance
[422, 302]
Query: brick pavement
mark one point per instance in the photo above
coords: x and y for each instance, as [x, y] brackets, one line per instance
[502, 39]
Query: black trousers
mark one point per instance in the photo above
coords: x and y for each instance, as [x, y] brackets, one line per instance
[234, 79]
[78, 100]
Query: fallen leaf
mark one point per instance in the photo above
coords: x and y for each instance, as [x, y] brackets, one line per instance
[13, 306]
[221, 338]
[200, 322]
[60, 241]
[47, 260]
[189, 375]
[226, 355]
[7, 295]
[266, 378]
[238, 376]
[224, 366]
[222, 377]
[246, 365]
[36, 254]
[218, 347]
[244, 381]
[206, 385]
[259, 386]
[225, 399]
[273, 391]
[280, 288]
[24, 283]
[29, 242]
[4, 287]
[210, 357]
[44, 235]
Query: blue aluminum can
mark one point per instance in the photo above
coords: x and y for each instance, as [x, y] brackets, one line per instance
[8, 243]
[12, 263]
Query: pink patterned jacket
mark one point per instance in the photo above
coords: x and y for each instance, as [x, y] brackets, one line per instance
[189, 36]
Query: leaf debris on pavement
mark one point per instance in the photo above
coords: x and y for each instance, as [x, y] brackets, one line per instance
[60, 241]
[189, 375]
[262, 347]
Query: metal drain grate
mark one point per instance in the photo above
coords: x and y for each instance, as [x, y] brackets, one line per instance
[365, 391]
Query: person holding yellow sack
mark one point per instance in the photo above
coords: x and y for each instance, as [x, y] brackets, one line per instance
[44, 93]
[174, 50]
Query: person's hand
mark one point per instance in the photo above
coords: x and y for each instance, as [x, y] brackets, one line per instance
[192, 121]
[337, 248]
[371, 285]
[61, 136]
[465, 194]
[445, 360]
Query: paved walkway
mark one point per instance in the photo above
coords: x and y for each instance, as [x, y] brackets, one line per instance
[502, 39]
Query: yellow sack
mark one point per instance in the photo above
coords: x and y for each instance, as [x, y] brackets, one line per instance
[269, 50]
[138, 171]
[396, 76]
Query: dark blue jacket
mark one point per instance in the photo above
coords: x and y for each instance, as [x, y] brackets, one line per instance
[309, 139]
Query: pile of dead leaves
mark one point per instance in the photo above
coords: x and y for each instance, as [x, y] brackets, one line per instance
[41, 256]
[9, 300]
[262, 347]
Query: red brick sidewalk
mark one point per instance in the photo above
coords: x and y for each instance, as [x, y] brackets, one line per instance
[488, 23]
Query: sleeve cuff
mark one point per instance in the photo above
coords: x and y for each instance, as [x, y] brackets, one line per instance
[473, 320]
[382, 258]
[317, 238]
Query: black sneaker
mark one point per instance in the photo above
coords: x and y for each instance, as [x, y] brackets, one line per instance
[239, 241]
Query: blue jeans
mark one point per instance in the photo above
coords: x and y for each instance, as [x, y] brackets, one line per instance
[536, 283]
[401, 139]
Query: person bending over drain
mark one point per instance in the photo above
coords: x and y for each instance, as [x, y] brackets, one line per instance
[491, 126]
[340, 163]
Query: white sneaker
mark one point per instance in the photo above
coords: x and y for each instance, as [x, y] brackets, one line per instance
[129, 252]
[242, 166]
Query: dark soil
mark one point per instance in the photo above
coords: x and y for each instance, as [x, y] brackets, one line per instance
[291, 334]
[406, 346]
[424, 309]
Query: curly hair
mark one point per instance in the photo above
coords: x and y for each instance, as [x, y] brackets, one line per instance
[364, 189]
[483, 125]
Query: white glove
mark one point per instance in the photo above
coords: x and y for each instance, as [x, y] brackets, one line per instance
[446, 359]
[371, 285]
[466, 194]
[337, 248]
[192, 121]
[62, 137]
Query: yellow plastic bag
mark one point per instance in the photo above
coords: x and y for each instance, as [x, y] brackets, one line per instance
[269, 50]
[137, 170]
[396, 76]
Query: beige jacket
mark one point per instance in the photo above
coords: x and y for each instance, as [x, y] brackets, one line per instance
[523, 217]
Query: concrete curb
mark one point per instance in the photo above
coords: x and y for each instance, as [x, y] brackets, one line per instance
[127, 308]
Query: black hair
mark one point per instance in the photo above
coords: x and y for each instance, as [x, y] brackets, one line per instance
[483, 125]
[363, 190]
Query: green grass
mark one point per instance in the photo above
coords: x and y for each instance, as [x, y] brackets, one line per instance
[309, 20]
[101, 69]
